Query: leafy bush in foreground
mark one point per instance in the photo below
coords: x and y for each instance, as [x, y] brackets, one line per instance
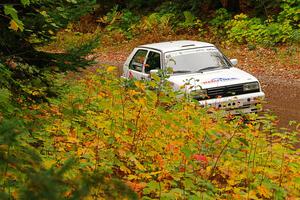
[26, 174]
[164, 147]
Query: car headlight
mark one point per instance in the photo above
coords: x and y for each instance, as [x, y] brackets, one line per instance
[251, 86]
[198, 94]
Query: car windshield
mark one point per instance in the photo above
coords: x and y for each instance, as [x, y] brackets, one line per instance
[196, 60]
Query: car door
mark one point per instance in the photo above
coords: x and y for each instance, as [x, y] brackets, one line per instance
[136, 65]
[153, 61]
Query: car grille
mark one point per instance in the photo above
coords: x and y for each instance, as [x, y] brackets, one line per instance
[226, 91]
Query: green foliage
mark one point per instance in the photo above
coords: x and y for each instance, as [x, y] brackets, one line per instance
[221, 16]
[290, 12]
[156, 22]
[15, 23]
[190, 23]
[104, 132]
[218, 22]
[27, 173]
[280, 24]
[24, 27]
[163, 22]
[243, 29]
[165, 147]
[281, 29]
[104, 137]
[122, 21]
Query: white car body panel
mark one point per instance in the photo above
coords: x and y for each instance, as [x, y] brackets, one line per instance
[214, 78]
[209, 79]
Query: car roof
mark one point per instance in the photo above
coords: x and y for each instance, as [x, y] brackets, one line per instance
[176, 45]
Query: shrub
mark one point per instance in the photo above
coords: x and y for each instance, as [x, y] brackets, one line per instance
[190, 24]
[165, 147]
[27, 173]
[156, 23]
[221, 16]
[243, 29]
[290, 12]
[276, 30]
[120, 21]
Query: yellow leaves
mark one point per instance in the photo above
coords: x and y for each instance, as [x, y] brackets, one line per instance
[49, 163]
[208, 169]
[122, 152]
[90, 112]
[263, 191]
[258, 169]
[251, 195]
[140, 85]
[106, 129]
[132, 177]
[143, 176]
[100, 124]
[231, 182]
[36, 93]
[250, 126]
[138, 165]
[101, 94]
[51, 32]
[236, 193]
[14, 26]
[81, 151]
[133, 93]
[124, 169]
[111, 68]
[141, 101]
[15, 23]
[72, 140]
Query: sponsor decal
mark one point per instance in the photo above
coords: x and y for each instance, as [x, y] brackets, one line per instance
[216, 80]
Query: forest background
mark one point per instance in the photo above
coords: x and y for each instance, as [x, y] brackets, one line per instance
[70, 128]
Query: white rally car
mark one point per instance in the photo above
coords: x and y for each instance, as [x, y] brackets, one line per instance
[213, 80]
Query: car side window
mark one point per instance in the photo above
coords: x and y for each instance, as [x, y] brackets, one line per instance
[153, 61]
[138, 60]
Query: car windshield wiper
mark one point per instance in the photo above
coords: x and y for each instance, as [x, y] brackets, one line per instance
[181, 71]
[208, 68]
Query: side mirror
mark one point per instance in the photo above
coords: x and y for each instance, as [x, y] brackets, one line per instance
[234, 61]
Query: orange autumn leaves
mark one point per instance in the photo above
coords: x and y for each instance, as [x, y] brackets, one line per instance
[167, 149]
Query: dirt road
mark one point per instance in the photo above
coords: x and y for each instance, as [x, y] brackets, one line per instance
[283, 97]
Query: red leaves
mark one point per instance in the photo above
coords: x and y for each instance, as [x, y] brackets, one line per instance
[182, 169]
[200, 158]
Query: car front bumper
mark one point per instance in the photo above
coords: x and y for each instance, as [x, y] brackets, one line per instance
[245, 103]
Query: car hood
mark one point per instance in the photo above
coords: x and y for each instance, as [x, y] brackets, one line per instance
[210, 79]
